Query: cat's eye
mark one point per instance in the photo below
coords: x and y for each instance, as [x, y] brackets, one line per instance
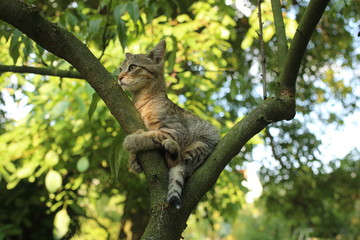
[132, 67]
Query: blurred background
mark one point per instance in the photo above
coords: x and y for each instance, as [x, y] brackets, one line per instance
[63, 172]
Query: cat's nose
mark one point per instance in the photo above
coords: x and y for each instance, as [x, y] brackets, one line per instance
[120, 77]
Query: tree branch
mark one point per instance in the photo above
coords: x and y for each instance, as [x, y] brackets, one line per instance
[280, 31]
[41, 71]
[290, 71]
[271, 110]
[262, 51]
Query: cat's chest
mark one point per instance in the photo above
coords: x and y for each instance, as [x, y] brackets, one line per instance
[151, 115]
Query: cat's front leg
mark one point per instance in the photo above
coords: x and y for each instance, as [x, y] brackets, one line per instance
[134, 142]
[142, 141]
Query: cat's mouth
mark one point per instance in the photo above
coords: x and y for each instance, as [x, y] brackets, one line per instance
[125, 84]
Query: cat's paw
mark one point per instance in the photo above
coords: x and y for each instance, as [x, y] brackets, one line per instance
[134, 164]
[187, 158]
[172, 150]
[171, 146]
[131, 143]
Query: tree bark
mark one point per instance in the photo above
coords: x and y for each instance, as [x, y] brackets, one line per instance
[166, 222]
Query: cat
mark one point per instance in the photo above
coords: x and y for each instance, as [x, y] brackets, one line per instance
[185, 139]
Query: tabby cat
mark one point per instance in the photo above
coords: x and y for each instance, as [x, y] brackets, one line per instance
[184, 138]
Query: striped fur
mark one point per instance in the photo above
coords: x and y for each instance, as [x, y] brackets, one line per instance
[185, 139]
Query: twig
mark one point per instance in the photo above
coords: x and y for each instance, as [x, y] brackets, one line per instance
[203, 70]
[280, 31]
[262, 52]
[75, 74]
[41, 71]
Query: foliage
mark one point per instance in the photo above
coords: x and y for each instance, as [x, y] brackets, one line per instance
[55, 160]
[332, 191]
[250, 224]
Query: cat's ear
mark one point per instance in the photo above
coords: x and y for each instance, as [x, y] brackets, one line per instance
[158, 53]
[128, 55]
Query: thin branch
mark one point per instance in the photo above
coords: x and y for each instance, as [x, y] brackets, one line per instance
[290, 71]
[204, 70]
[280, 31]
[262, 51]
[75, 74]
[41, 71]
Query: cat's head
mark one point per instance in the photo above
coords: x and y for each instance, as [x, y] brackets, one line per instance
[143, 71]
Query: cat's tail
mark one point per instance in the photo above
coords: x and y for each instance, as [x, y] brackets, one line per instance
[176, 183]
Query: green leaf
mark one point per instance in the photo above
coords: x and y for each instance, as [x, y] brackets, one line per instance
[133, 10]
[61, 224]
[40, 51]
[71, 19]
[27, 169]
[120, 23]
[94, 101]
[172, 57]
[83, 164]
[51, 158]
[28, 47]
[116, 154]
[247, 42]
[10, 166]
[339, 5]
[95, 26]
[14, 46]
[119, 10]
[122, 29]
[12, 184]
[59, 109]
[53, 181]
